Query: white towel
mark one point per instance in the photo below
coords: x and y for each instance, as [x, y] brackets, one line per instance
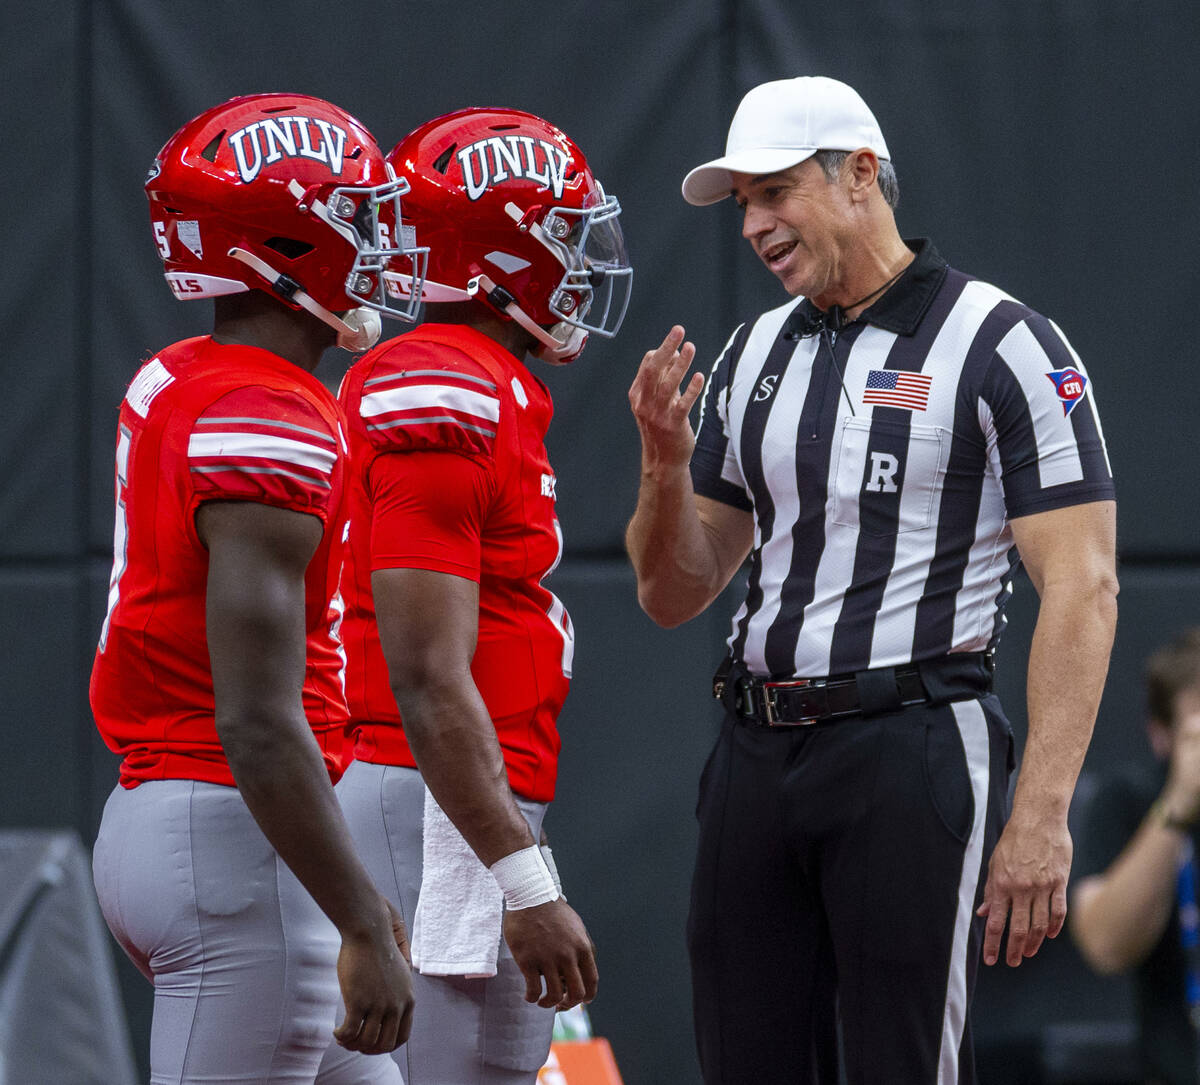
[457, 927]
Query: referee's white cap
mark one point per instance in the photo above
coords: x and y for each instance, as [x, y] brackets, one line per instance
[780, 124]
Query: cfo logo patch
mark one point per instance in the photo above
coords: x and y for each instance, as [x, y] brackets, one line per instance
[1070, 384]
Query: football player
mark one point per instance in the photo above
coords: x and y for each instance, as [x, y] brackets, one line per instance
[223, 864]
[458, 655]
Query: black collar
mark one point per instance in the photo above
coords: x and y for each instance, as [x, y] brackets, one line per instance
[899, 310]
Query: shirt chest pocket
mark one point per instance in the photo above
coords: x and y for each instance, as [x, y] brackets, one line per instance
[888, 476]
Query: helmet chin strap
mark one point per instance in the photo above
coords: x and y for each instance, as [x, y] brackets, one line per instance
[562, 353]
[549, 349]
[358, 331]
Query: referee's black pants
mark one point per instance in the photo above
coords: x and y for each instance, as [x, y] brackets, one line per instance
[838, 871]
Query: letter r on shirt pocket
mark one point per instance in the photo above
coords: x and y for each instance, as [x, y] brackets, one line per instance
[888, 476]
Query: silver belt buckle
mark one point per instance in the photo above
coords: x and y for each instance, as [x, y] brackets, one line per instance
[769, 689]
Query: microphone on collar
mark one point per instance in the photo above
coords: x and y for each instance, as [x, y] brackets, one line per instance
[808, 321]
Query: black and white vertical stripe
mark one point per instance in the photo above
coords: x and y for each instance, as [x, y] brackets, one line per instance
[882, 533]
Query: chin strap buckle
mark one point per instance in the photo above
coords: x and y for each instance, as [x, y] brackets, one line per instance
[286, 287]
[500, 298]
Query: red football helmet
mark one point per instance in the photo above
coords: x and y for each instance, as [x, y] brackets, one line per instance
[512, 216]
[288, 194]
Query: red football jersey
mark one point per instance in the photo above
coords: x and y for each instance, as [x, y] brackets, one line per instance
[203, 421]
[450, 473]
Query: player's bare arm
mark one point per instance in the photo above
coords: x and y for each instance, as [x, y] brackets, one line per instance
[428, 624]
[255, 626]
[684, 548]
[1070, 556]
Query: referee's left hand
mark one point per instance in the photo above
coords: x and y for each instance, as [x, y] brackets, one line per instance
[1026, 885]
[661, 403]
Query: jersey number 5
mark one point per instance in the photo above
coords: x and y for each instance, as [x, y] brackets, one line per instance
[557, 613]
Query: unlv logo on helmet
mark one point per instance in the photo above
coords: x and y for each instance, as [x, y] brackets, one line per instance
[273, 138]
[516, 221]
[222, 229]
[520, 157]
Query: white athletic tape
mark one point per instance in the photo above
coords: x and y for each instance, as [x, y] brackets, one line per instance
[548, 855]
[525, 879]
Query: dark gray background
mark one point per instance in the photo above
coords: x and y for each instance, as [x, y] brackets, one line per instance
[1046, 145]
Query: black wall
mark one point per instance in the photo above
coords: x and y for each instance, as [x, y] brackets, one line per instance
[1046, 145]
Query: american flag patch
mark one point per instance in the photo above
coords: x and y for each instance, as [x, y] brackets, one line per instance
[897, 388]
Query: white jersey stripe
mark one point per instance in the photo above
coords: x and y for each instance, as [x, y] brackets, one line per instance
[246, 469]
[973, 729]
[780, 431]
[273, 423]
[440, 374]
[836, 567]
[427, 419]
[1058, 455]
[424, 396]
[895, 626]
[260, 446]
[1091, 392]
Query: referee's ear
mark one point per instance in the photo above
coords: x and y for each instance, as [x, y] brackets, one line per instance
[859, 171]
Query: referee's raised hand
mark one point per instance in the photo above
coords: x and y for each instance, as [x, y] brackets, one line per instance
[661, 402]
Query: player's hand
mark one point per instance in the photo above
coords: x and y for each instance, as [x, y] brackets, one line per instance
[661, 406]
[1181, 796]
[550, 942]
[376, 982]
[399, 932]
[1026, 885]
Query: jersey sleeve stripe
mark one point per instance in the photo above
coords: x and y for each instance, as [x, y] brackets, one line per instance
[441, 374]
[425, 419]
[714, 467]
[246, 469]
[242, 446]
[270, 423]
[425, 396]
[1025, 362]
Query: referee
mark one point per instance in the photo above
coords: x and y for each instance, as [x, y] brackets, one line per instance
[885, 449]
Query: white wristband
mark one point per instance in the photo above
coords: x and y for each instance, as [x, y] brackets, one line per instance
[548, 855]
[524, 879]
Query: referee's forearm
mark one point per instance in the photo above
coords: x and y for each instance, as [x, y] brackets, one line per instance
[672, 554]
[1068, 663]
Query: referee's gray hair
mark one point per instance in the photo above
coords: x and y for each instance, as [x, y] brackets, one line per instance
[831, 163]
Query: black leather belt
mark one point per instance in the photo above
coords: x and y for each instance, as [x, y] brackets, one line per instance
[802, 702]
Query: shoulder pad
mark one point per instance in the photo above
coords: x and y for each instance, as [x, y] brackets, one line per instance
[264, 444]
[422, 400]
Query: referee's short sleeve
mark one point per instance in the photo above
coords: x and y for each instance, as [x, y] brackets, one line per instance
[715, 470]
[1043, 426]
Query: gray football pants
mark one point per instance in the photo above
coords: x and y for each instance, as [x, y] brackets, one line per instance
[465, 1031]
[242, 960]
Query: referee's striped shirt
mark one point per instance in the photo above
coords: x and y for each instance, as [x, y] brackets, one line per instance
[882, 463]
